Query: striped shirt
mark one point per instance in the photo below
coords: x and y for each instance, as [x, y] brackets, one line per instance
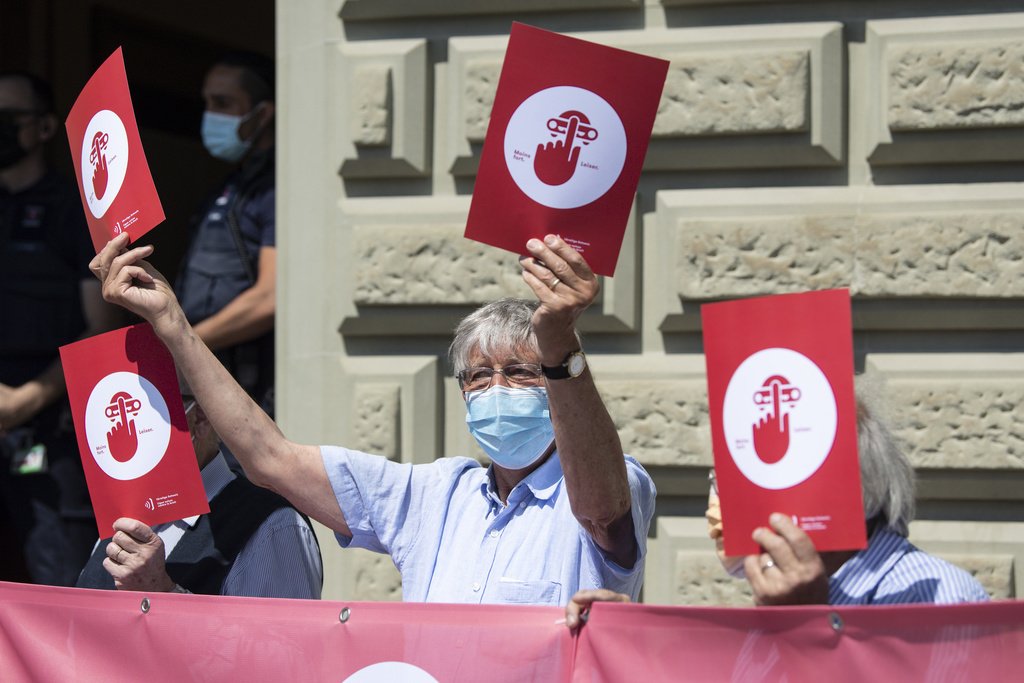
[891, 570]
[281, 560]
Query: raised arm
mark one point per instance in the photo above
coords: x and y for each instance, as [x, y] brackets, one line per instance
[588, 445]
[269, 459]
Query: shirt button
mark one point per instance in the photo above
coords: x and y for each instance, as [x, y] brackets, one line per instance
[523, 504]
[494, 533]
[476, 587]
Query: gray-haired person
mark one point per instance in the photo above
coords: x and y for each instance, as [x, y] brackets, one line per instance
[891, 570]
[790, 570]
[559, 509]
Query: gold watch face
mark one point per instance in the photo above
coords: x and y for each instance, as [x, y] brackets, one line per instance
[576, 364]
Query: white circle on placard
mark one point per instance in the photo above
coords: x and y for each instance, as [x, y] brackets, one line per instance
[392, 672]
[147, 410]
[813, 417]
[105, 137]
[600, 161]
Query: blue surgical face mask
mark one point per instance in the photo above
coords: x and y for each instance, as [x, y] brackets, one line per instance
[513, 426]
[220, 135]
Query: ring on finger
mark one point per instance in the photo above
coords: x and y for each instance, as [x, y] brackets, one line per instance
[117, 558]
[552, 285]
[767, 565]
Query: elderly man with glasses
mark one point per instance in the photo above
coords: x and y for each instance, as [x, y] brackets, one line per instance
[560, 508]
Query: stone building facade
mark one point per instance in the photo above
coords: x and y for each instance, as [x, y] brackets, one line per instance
[877, 146]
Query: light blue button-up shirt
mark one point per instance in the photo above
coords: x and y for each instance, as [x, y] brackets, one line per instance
[453, 540]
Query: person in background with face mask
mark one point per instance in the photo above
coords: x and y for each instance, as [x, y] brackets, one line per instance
[252, 542]
[47, 299]
[226, 283]
[559, 509]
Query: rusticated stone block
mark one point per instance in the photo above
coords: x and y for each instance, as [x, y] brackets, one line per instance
[372, 94]
[977, 254]
[430, 265]
[739, 93]
[481, 83]
[942, 86]
[377, 425]
[759, 256]
[994, 572]
[883, 255]
[964, 425]
[376, 578]
[661, 422]
[700, 581]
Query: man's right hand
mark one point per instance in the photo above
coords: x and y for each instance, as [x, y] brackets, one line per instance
[790, 571]
[135, 558]
[130, 281]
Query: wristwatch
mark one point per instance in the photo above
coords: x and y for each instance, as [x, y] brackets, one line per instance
[573, 366]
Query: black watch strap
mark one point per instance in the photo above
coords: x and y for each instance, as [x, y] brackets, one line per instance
[564, 371]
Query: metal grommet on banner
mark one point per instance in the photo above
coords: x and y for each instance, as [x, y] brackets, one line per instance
[145, 605]
[836, 621]
[345, 614]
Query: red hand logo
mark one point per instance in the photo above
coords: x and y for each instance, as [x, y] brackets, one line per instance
[556, 162]
[771, 435]
[99, 176]
[122, 439]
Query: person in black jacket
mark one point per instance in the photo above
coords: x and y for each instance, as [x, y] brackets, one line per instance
[48, 298]
[227, 281]
[252, 542]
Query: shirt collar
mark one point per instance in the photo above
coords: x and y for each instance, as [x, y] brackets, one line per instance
[542, 482]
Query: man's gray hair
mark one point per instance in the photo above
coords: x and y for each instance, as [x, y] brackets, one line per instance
[502, 325]
[886, 475]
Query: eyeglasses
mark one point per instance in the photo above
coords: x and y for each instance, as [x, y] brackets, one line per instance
[519, 375]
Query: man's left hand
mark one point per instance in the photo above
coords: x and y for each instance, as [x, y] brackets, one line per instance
[135, 558]
[565, 286]
[578, 608]
[790, 571]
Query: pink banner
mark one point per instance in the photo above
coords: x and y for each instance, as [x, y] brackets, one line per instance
[75, 634]
[969, 642]
[57, 634]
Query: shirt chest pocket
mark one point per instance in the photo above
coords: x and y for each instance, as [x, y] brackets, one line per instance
[514, 592]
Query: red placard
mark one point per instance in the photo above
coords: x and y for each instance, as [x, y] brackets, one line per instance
[783, 417]
[117, 188]
[565, 145]
[132, 432]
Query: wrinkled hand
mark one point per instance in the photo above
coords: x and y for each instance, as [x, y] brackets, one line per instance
[99, 176]
[135, 558]
[797, 575]
[578, 609]
[130, 281]
[560, 306]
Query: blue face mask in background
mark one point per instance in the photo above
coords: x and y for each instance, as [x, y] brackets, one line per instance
[513, 426]
[220, 135]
